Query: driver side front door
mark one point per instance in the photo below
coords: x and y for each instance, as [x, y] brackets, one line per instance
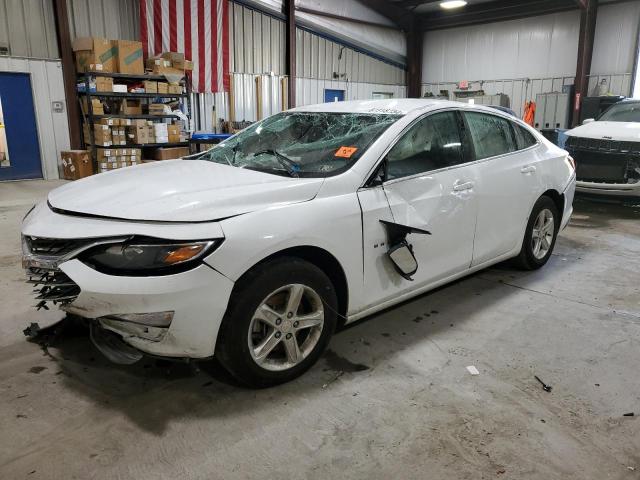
[427, 186]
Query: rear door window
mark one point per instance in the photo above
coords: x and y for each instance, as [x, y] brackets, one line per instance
[491, 135]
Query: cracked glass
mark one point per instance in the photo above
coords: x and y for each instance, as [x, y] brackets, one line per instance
[302, 144]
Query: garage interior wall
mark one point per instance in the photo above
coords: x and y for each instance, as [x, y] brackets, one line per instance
[258, 68]
[522, 58]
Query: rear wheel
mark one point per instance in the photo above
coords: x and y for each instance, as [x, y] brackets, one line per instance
[279, 321]
[540, 235]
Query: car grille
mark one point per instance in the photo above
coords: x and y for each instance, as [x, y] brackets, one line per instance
[605, 161]
[51, 285]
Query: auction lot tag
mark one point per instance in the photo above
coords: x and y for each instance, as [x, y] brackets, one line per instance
[345, 152]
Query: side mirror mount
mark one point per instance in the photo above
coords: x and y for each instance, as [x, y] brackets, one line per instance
[379, 176]
[588, 120]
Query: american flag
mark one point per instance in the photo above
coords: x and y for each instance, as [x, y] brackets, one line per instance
[199, 28]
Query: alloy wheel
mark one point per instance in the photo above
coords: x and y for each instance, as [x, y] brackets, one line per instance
[286, 327]
[543, 232]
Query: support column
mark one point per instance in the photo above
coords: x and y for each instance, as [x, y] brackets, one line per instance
[290, 49]
[68, 71]
[588, 15]
[414, 60]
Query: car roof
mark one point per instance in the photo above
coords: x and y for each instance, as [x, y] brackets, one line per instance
[397, 106]
[393, 106]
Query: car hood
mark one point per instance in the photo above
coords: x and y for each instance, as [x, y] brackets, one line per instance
[180, 191]
[624, 131]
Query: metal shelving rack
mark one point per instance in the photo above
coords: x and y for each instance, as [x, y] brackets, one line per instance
[89, 118]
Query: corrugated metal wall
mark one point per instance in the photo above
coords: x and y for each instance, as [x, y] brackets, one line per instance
[112, 19]
[47, 84]
[258, 51]
[615, 40]
[536, 47]
[27, 28]
[257, 46]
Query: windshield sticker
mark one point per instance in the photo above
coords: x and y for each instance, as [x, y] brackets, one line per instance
[345, 152]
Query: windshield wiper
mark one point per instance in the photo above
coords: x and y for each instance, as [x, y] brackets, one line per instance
[289, 165]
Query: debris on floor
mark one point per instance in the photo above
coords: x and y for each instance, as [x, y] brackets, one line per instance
[630, 414]
[545, 387]
[473, 370]
[32, 330]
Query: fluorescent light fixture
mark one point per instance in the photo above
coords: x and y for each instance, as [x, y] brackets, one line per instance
[450, 4]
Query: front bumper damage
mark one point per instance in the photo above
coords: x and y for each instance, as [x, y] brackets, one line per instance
[606, 167]
[198, 299]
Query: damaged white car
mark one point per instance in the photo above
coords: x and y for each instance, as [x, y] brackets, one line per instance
[254, 251]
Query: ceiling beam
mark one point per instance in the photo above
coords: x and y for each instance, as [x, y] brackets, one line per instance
[394, 12]
[500, 10]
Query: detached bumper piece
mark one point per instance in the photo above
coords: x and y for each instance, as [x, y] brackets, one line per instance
[112, 346]
[51, 285]
[605, 161]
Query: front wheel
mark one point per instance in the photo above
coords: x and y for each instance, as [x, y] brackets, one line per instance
[279, 321]
[540, 235]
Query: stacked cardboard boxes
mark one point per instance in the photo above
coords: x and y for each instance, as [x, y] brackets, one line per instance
[141, 132]
[94, 54]
[113, 158]
[76, 164]
[161, 132]
[101, 135]
[169, 63]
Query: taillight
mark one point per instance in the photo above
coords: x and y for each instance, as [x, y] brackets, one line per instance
[572, 162]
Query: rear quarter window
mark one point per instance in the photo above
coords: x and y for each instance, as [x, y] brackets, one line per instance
[524, 138]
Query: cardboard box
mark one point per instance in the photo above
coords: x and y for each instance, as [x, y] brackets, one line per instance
[175, 89]
[150, 86]
[94, 54]
[131, 107]
[104, 84]
[96, 105]
[163, 87]
[161, 66]
[170, 153]
[129, 57]
[108, 121]
[138, 134]
[76, 164]
[173, 57]
[159, 109]
[188, 65]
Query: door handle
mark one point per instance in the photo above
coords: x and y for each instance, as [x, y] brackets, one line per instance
[462, 186]
[528, 169]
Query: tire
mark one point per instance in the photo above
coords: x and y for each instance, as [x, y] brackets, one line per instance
[531, 258]
[270, 286]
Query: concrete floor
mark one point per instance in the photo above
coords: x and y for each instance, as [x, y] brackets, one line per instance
[391, 399]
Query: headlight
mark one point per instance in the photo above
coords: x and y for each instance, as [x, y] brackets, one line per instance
[147, 256]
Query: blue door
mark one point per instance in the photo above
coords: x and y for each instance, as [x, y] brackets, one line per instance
[19, 148]
[333, 95]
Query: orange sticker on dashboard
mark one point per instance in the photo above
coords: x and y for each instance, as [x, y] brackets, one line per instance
[345, 152]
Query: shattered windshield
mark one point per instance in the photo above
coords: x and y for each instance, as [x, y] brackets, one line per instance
[622, 112]
[302, 144]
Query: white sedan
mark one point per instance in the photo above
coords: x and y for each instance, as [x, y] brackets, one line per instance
[255, 250]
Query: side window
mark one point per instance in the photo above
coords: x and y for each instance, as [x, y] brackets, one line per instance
[432, 143]
[491, 134]
[524, 138]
